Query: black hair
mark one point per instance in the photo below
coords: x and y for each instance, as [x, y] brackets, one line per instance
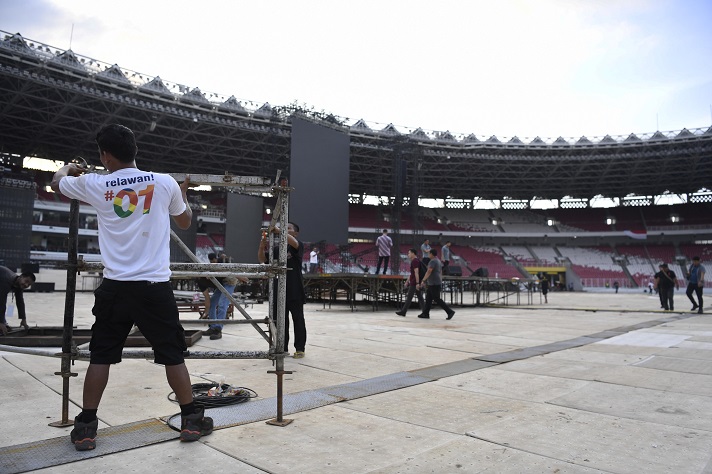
[414, 251]
[30, 275]
[296, 227]
[212, 256]
[119, 141]
[434, 252]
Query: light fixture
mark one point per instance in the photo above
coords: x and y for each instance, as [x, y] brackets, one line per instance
[610, 220]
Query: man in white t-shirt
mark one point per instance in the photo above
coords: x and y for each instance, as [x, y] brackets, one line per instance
[134, 209]
[313, 260]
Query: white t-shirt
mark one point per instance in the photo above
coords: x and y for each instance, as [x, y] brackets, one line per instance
[134, 242]
[313, 257]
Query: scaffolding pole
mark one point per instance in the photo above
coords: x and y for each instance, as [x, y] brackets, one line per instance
[275, 270]
[68, 331]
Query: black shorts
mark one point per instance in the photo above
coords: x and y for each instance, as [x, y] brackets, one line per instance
[118, 305]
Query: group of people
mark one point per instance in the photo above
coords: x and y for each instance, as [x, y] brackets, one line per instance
[428, 276]
[384, 244]
[425, 274]
[666, 283]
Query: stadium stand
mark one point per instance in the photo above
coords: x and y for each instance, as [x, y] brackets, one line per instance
[521, 254]
[219, 240]
[477, 220]
[490, 258]
[595, 266]
[546, 255]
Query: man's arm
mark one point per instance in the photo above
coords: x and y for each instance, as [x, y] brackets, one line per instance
[3, 308]
[291, 240]
[184, 220]
[20, 302]
[261, 256]
[427, 274]
[71, 169]
[701, 277]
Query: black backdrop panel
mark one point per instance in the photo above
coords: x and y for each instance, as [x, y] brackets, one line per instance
[188, 236]
[16, 202]
[319, 174]
[242, 227]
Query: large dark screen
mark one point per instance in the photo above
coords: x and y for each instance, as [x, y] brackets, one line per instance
[242, 227]
[319, 174]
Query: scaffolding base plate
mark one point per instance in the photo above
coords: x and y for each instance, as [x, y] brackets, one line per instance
[61, 424]
[276, 422]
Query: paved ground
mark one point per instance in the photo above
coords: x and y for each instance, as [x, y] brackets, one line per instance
[633, 397]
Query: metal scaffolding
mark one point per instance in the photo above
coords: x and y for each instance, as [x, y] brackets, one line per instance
[275, 268]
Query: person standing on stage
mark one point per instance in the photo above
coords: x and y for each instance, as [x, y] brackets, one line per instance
[384, 244]
[314, 260]
[425, 251]
[446, 257]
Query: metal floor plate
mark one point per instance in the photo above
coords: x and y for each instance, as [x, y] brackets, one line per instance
[56, 451]
[266, 409]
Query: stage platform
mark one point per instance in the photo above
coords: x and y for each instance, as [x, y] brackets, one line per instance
[389, 290]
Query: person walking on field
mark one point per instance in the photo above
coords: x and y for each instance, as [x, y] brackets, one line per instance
[666, 284]
[416, 276]
[136, 288]
[433, 280]
[695, 283]
[545, 288]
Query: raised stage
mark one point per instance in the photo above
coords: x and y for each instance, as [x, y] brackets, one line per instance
[389, 290]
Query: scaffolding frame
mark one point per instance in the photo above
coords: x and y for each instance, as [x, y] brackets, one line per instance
[273, 269]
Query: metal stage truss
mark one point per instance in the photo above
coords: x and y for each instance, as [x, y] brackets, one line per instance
[274, 268]
[52, 101]
[379, 290]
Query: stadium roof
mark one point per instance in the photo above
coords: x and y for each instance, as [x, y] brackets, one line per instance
[53, 101]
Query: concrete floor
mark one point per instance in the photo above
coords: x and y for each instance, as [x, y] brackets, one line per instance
[632, 401]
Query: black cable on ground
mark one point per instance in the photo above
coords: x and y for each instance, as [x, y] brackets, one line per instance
[228, 395]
